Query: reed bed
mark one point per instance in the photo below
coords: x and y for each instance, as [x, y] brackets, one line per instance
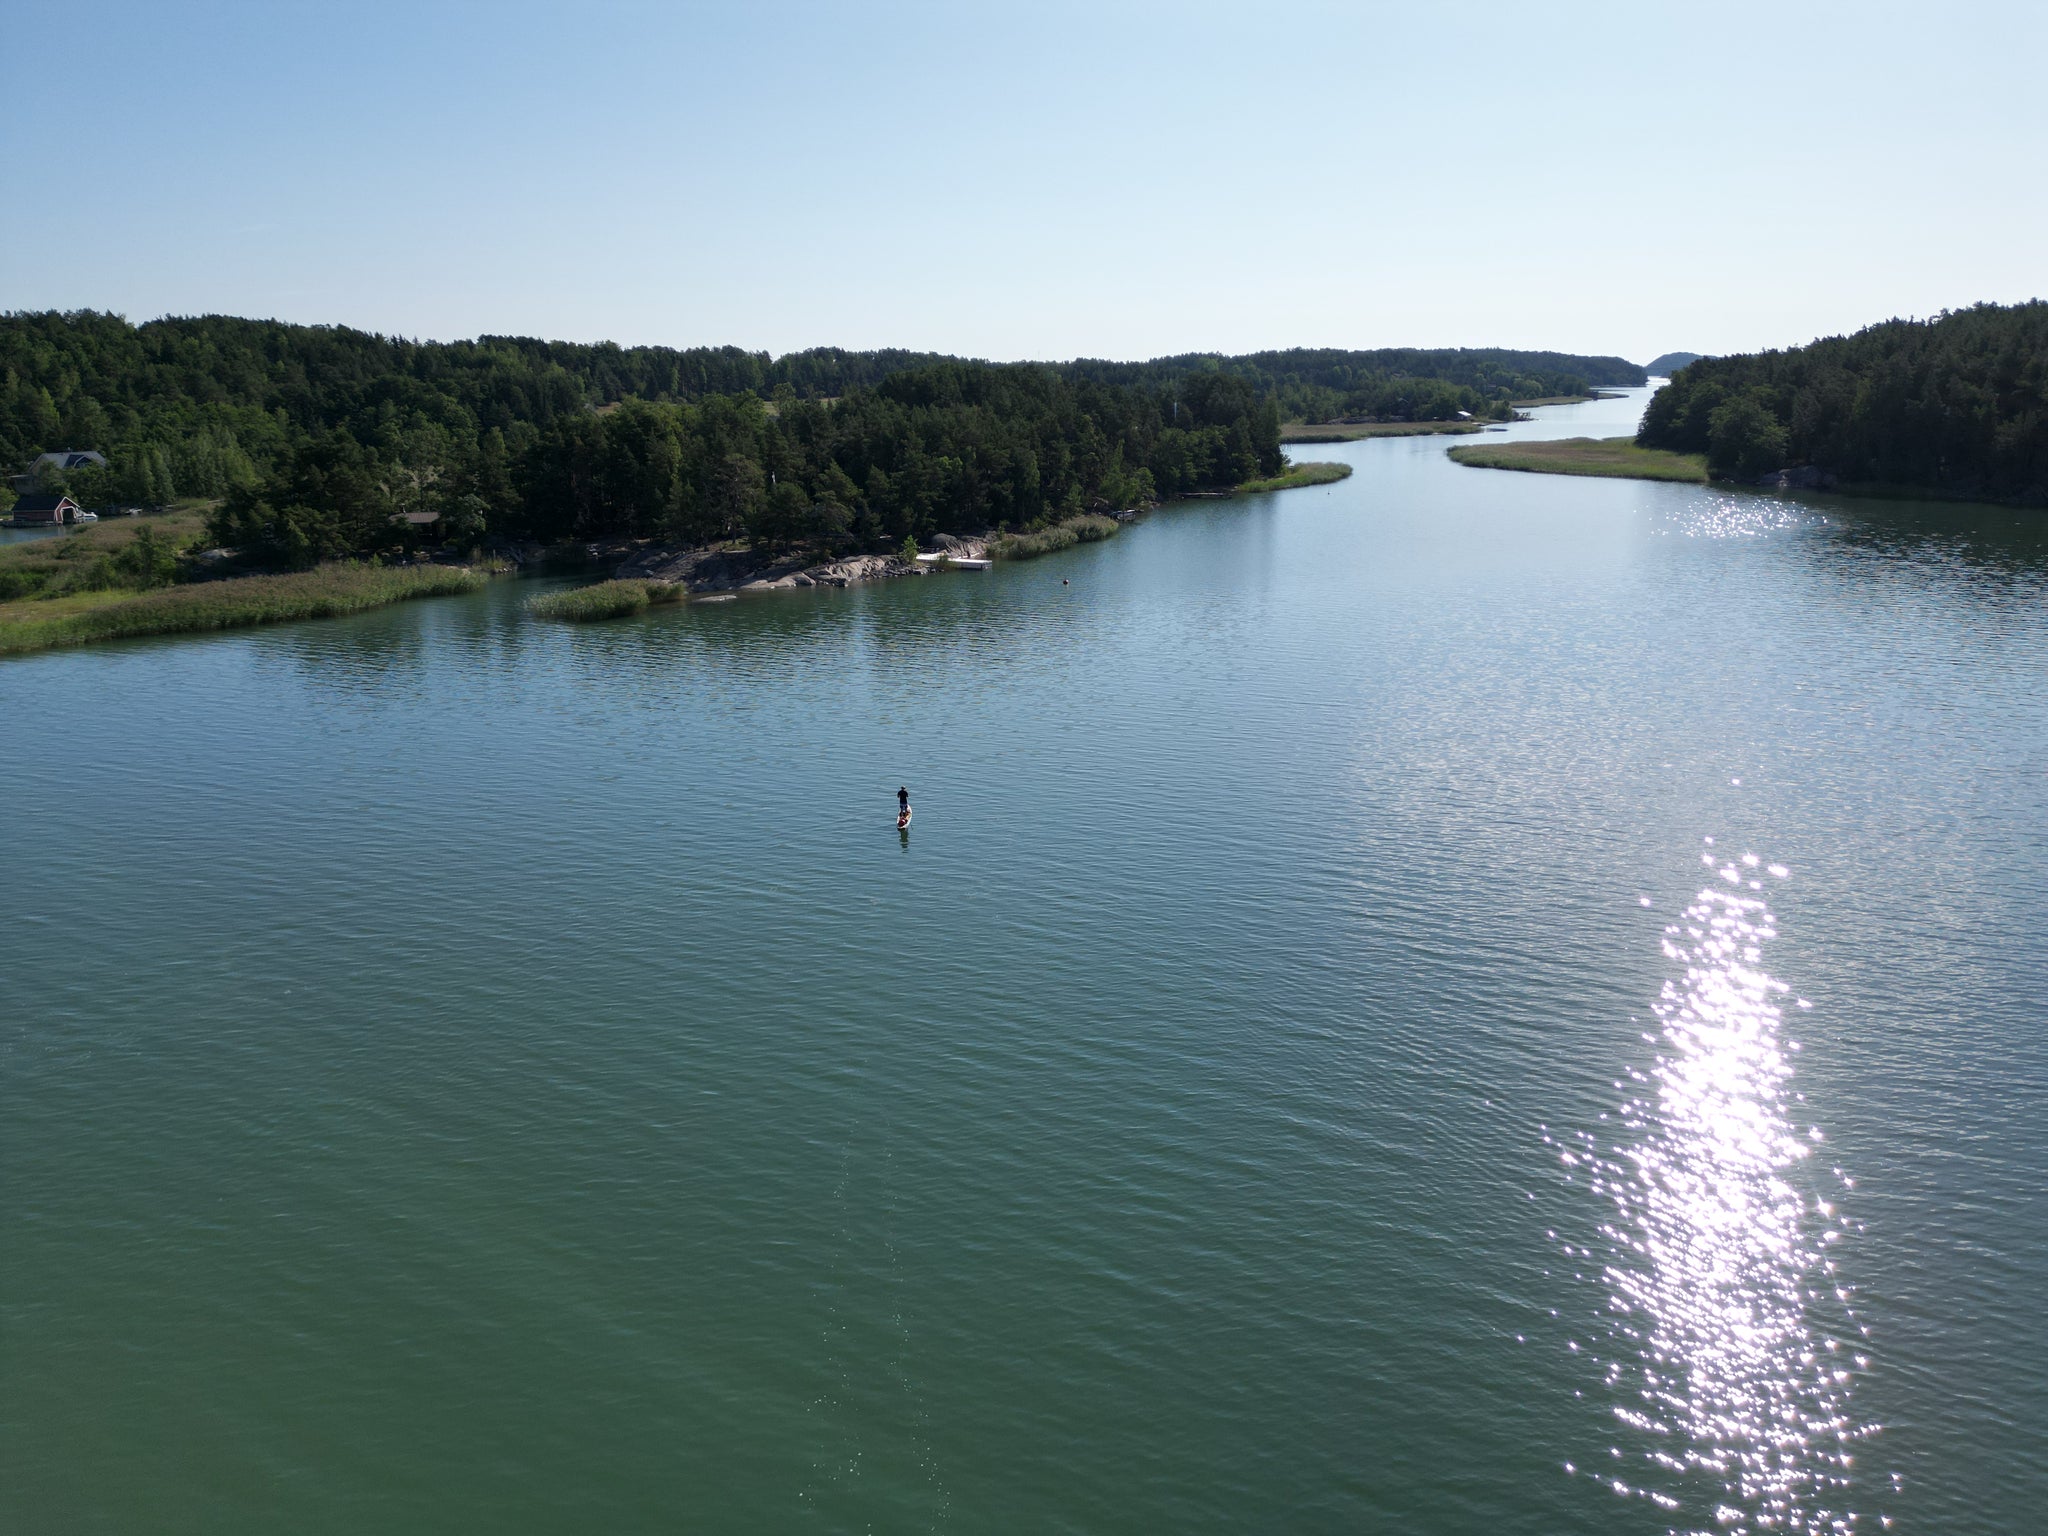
[1088, 528]
[1299, 475]
[606, 600]
[327, 591]
[1618, 457]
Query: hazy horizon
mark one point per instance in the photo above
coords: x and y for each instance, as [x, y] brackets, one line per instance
[1044, 185]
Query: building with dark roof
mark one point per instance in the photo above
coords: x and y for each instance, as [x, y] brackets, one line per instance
[45, 509]
[62, 461]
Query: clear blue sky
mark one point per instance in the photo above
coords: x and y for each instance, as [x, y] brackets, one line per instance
[1037, 181]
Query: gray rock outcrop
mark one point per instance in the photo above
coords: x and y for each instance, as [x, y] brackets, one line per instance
[716, 568]
[1804, 477]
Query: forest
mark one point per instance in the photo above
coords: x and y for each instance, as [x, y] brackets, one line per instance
[1956, 404]
[322, 441]
[954, 447]
[1390, 384]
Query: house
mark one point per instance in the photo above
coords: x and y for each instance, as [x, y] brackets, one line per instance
[61, 462]
[46, 509]
[416, 519]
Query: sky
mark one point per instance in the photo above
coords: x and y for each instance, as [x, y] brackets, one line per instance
[1025, 180]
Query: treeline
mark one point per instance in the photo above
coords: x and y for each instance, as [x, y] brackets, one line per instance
[1957, 404]
[323, 440]
[1390, 383]
[956, 447]
[220, 399]
[191, 407]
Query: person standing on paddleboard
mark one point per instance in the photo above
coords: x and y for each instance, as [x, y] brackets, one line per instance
[903, 807]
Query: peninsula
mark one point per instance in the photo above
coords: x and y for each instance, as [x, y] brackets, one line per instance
[1616, 457]
[1949, 408]
[309, 464]
[1955, 407]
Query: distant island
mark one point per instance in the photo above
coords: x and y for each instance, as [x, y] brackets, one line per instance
[1668, 364]
[318, 460]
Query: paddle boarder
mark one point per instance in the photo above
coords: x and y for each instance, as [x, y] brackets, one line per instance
[902, 808]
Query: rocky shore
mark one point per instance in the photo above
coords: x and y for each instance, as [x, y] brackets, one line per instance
[734, 567]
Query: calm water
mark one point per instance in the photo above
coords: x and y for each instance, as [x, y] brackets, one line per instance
[1307, 1068]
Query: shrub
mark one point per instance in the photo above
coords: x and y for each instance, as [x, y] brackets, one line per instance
[606, 600]
[1297, 475]
[324, 592]
[1744, 439]
[1088, 528]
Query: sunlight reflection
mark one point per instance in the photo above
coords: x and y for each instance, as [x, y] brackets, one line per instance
[1736, 1344]
[1720, 515]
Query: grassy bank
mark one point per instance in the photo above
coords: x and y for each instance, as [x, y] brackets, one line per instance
[606, 600]
[1618, 457]
[1298, 475]
[98, 556]
[1089, 528]
[1345, 432]
[325, 592]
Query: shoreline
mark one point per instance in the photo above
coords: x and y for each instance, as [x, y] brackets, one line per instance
[235, 602]
[1616, 458]
[641, 573]
[1295, 476]
[1347, 432]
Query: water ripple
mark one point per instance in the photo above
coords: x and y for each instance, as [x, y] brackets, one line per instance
[1721, 515]
[1734, 1345]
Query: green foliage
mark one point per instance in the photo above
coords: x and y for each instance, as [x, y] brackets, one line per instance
[1391, 384]
[1668, 363]
[605, 600]
[319, 441]
[135, 554]
[1297, 475]
[1956, 404]
[329, 499]
[1744, 437]
[1616, 457]
[1089, 528]
[908, 553]
[149, 560]
[324, 593]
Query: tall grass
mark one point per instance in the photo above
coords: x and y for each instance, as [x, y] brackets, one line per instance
[1298, 475]
[606, 600]
[122, 552]
[1345, 432]
[1088, 528]
[324, 592]
[1618, 457]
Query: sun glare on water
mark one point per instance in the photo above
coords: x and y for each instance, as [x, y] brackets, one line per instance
[1733, 1343]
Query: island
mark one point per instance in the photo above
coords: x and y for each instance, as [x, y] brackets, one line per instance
[1668, 363]
[1618, 457]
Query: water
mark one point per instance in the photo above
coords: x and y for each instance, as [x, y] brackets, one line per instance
[466, 1074]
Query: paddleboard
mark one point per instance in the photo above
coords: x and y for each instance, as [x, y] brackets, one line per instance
[903, 822]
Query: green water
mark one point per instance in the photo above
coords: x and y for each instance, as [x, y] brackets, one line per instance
[463, 1074]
